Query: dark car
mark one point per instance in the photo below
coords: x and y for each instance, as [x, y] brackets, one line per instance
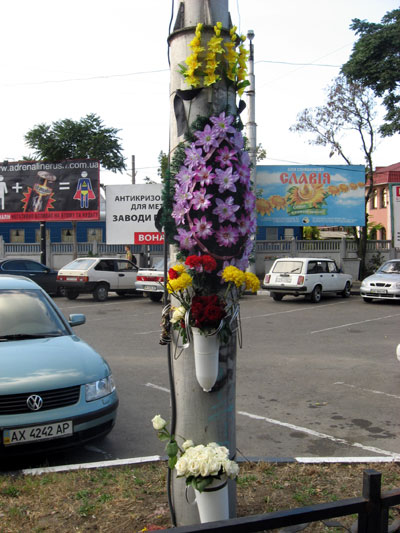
[41, 274]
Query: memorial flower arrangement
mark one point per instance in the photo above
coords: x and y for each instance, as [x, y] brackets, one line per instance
[195, 284]
[200, 464]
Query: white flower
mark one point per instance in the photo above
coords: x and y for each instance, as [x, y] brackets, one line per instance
[181, 466]
[187, 444]
[158, 423]
[232, 469]
[178, 314]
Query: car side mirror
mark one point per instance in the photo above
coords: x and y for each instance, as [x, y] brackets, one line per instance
[76, 319]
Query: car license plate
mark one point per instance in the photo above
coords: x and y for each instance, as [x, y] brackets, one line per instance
[149, 288]
[286, 279]
[36, 433]
[378, 291]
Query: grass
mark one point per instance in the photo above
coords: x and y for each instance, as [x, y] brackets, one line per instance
[133, 499]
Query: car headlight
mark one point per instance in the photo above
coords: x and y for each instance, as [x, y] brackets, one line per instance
[364, 284]
[99, 389]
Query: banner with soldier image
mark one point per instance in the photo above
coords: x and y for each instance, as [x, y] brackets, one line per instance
[64, 190]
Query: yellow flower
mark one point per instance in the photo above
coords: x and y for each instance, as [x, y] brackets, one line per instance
[210, 79]
[179, 284]
[252, 281]
[231, 273]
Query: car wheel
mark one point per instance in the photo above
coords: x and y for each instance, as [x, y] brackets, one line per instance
[100, 293]
[155, 296]
[276, 296]
[368, 300]
[71, 294]
[316, 294]
[347, 290]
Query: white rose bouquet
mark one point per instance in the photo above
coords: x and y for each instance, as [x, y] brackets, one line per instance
[200, 464]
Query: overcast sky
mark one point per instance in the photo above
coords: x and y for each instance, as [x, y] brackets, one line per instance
[65, 59]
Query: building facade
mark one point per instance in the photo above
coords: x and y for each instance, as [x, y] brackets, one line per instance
[378, 207]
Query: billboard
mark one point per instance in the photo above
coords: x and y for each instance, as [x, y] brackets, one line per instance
[38, 191]
[131, 212]
[312, 195]
[395, 206]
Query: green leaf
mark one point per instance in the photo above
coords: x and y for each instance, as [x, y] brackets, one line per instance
[172, 462]
[163, 436]
[172, 449]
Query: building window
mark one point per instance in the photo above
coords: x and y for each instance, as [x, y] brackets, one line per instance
[384, 197]
[383, 234]
[67, 235]
[94, 234]
[17, 235]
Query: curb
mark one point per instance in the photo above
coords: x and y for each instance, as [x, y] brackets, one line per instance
[158, 458]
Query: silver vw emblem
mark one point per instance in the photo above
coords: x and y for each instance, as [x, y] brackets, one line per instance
[34, 402]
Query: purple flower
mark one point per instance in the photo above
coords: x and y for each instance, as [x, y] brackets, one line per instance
[244, 173]
[206, 138]
[201, 200]
[245, 159]
[225, 210]
[244, 225]
[226, 180]
[185, 239]
[193, 156]
[202, 228]
[179, 212]
[227, 236]
[249, 201]
[226, 156]
[204, 175]
[182, 194]
[222, 124]
[237, 140]
[184, 175]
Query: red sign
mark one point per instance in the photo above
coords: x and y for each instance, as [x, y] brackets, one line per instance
[148, 237]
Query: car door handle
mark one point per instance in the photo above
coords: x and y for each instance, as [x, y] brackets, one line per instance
[121, 275]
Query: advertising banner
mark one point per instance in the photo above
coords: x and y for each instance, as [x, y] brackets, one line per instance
[131, 212]
[38, 191]
[395, 203]
[312, 195]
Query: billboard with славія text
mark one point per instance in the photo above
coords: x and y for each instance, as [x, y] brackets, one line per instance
[312, 195]
[40, 191]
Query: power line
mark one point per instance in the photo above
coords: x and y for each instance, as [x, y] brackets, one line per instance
[297, 64]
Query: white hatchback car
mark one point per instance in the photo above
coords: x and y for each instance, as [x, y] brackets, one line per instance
[307, 276]
[98, 275]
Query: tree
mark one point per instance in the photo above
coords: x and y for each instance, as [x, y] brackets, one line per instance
[375, 63]
[350, 106]
[87, 138]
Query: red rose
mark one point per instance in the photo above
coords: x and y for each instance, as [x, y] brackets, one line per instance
[209, 263]
[193, 261]
[172, 274]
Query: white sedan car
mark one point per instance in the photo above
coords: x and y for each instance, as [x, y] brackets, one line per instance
[150, 280]
[384, 284]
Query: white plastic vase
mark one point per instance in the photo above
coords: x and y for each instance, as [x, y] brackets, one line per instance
[213, 502]
[206, 358]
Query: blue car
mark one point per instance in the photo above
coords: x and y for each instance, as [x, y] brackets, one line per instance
[55, 390]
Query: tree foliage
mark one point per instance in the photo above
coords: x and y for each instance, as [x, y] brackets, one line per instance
[375, 63]
[87, 138]
[349, 107]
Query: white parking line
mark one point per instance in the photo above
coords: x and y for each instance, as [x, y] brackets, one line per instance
[317, 434]
[367, 390]
[310, 432]
[355, 323]
[297, 310]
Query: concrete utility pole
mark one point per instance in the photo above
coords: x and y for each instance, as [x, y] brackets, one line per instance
[201, 416]
[251, 126]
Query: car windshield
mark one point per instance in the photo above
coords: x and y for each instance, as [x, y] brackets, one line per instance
[287, 267]
[79, 264]
[27, 314]
[390, 268]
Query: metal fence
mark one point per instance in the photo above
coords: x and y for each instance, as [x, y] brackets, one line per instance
[372, 509]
